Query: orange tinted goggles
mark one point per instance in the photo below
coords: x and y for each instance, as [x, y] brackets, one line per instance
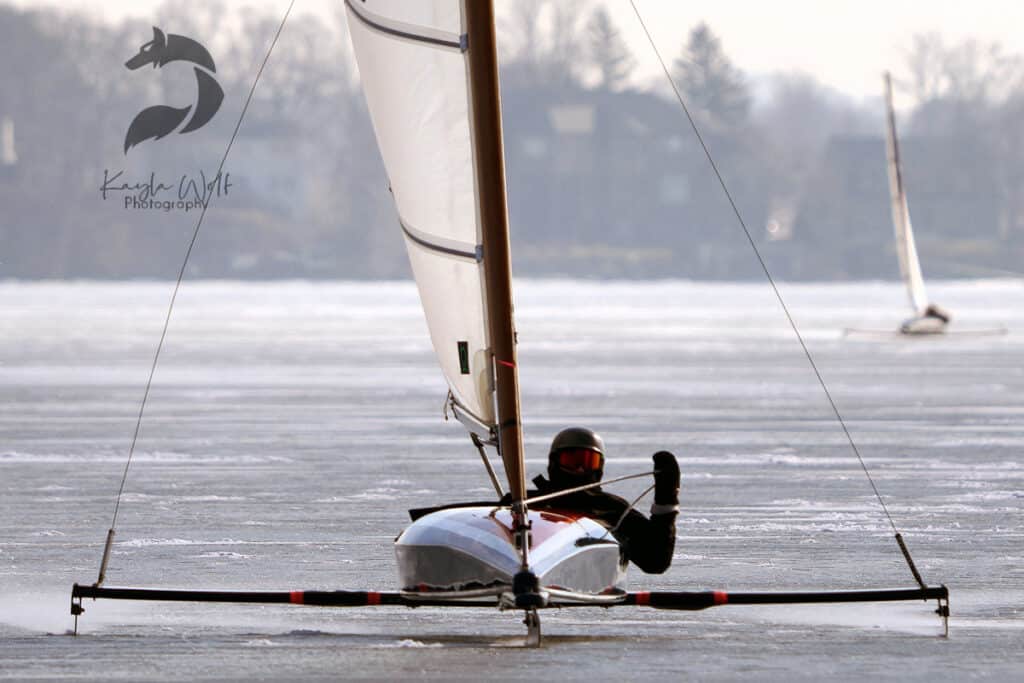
[574, 459]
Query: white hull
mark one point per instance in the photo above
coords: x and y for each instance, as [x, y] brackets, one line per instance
[924, 324]
[472, 549]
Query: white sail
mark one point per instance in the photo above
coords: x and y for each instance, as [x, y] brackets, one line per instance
[413, 71]
[906, 251]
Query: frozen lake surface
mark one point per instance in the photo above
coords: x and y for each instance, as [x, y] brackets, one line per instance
[291, 425]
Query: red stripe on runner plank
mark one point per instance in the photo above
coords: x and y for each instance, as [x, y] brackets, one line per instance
[297, 597]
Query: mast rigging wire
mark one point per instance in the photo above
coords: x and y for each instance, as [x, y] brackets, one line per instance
[585, 487]
[771, 281]
[177, 284]
[622, 517]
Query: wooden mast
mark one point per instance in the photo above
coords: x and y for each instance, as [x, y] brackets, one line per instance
[489, 160]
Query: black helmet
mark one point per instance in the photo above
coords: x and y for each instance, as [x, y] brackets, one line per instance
[585, 449]
[577, 437]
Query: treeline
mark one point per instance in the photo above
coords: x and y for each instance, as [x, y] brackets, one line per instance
[606, 178]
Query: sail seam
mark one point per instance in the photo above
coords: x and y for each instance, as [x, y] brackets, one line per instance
[397, 29]
[462, 251]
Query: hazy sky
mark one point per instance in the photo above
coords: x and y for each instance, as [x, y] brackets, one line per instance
[844, 43]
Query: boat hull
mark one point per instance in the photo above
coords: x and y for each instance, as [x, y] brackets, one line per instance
[472, 549]
[925, 324]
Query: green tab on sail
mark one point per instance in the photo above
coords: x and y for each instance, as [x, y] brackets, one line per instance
[464, 357]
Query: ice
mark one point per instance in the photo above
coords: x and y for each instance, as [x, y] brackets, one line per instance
[292, 425]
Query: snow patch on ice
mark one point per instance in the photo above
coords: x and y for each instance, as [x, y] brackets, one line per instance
[152, 457]
[147, 542]
[261, 642]
[409, 642]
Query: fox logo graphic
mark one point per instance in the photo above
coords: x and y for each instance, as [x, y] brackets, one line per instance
[160, 120]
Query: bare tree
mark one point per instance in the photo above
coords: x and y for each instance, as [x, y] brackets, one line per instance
[546, 48]
[970, 71]
[925, 62]
[981, 72]
[800, 117]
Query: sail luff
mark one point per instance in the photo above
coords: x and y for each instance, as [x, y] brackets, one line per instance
[906, 250]
[489, 161]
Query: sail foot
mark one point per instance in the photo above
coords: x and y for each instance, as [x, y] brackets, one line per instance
[487, 433]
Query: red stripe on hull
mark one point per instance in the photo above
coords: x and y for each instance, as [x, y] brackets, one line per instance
[372, 598]
[543, 526]
[643, 598]
[721, 597]
[297, 597]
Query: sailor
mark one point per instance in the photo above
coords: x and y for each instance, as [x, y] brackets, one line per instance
[934, 311]
[576, 458]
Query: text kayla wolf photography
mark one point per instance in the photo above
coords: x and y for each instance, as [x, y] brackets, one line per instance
[187, 192]
[156, 122]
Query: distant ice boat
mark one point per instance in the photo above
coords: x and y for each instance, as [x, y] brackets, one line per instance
[928, 318]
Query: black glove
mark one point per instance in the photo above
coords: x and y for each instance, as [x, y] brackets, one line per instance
[666, 479]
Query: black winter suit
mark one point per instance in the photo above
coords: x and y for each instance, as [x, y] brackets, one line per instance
[648, 543]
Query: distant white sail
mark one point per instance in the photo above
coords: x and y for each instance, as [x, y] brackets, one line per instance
[413, 70]
[906, 251]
